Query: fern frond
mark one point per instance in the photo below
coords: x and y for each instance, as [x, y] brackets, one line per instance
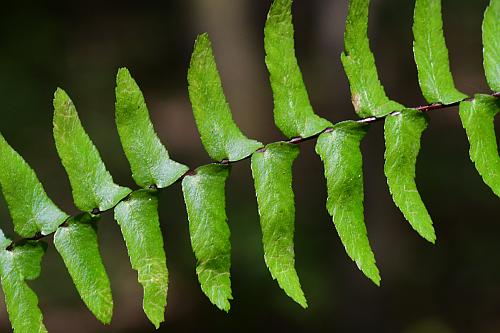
[35, 216]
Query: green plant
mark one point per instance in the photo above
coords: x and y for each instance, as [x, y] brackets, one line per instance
[35, 216]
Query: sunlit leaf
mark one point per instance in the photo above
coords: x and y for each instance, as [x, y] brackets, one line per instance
[402, 144]
[431, 54]
[368, 94]
[339, 150]
[140, 225]
[272, 173]
[477, 118]
[220, 135]
[204, 195]
[92, 184]
[491, 44]
[293, 113]
[77, 244]
[16, 267]
[31, 209]
[148, 157]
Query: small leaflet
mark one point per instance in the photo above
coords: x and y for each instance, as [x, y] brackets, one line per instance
[148, 157]
[367, 93]
[31, 209]
[491, 44]
[77, 244]
[92, 184]
[17, 266]
[478, 120]
[220, 135]
[204, 195]
[272, 173]
[341, 155]
[293, 113]
[402, 144]
[431, 54]
[140, 226]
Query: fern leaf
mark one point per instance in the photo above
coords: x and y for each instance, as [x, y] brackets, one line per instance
[402, 139]
[204, 196]
[92, 184]
[77, 244]
[477, 118]
[140, 226]
[148, 158]
[272, 173]
[431, 54]
[340, 152]
[491, 43]
[220, 135]
[16, 267]
[293, 113]
[368, 94]
[31, 209]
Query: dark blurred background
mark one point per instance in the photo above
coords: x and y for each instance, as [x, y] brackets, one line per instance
[453, 286]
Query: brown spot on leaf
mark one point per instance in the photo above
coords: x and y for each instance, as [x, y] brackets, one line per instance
[356, 102]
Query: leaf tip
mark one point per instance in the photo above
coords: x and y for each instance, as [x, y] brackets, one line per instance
[431, 237]
[202, 40]
[373, 274]
[60, 93]
[155, 320]
[61, 101]
[122, 71]
[301, 300]
[105, 316]
[226, 306]
[222, 303]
